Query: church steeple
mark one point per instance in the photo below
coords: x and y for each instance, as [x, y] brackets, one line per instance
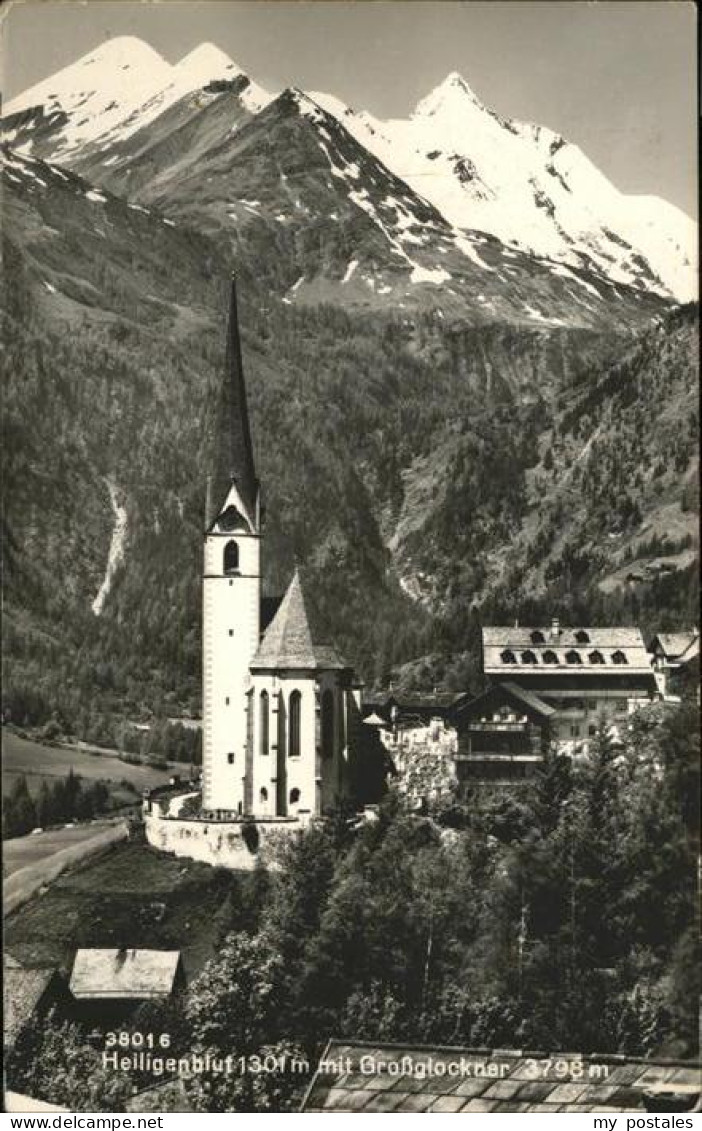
[234, 462]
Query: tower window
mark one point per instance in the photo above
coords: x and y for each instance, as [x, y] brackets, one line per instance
[327, 724]
[231, 631]
[294, 796]
[226, 701]
[263, 795]
[265, 724]
[294, 709]
[231, 557]
[230, 759]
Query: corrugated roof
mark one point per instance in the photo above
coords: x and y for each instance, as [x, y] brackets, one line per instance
[290, 642]
[529, 698]
[22, 992]
[363, 1077]
[141, 974]
[606, 641]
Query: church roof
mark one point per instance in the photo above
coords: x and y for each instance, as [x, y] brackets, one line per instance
[291, 642]
[234, 460]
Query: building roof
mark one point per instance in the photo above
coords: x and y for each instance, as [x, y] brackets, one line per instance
[291, 642]
[421, 1079]
[521, 694]
[680, 646]
[133, 974]
[168, 1095]
[23, 989]
[595, 647]
[233, 460]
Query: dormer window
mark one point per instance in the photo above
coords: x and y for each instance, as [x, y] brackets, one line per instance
[538, 637]
[618, 657]
[573, 657]
[508, 657]
[231, 558]
[596, 657]
[529, 657]
[550, 657]
[582, 636]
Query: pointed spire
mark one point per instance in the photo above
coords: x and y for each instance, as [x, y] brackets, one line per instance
[234, 462]
[290, 642]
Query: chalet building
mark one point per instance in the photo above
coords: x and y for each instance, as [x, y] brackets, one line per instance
[503, 734]
[583, 674]
[373, 1077]
[111, 983]
[676, 663]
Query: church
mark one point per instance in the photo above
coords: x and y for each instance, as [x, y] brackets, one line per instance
[279, 707]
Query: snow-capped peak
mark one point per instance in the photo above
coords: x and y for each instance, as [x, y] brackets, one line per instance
[120, 87]
[124, 68]
[205, 63]
[452, 94]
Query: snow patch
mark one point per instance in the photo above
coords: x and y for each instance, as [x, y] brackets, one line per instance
[434, 275]
[350, 270]
[115, 556]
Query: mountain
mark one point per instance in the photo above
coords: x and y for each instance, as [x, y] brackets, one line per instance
[529, 187]
[495, 190]
[420, 454]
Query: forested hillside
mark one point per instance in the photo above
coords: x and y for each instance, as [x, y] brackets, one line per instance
[419, 466]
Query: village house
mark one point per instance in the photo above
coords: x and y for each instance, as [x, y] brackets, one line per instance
[503, 734]
[676, 662]
[584, 674]
[113, 982]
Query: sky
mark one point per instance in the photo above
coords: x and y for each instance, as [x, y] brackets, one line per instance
[617, 77]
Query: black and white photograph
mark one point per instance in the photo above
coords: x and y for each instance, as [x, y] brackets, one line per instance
[350, 557]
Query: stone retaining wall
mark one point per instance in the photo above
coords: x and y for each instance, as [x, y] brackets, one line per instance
[226, 844]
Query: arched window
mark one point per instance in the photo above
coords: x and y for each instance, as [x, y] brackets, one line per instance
[231, 557]
[508, 657]
[230, 759]
[327, 724]
[538, 637]
[550, 658]
[265, 724]
[618, 657]
[596, 657]
[294, 796]
[573, 658]
[263, 795]
[582, 636]
[528, 657]
[294, 711]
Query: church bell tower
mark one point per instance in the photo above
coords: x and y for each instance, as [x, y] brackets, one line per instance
[231, 590]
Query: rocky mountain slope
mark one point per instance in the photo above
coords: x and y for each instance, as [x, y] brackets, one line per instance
[128, 120]
[424, 448]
